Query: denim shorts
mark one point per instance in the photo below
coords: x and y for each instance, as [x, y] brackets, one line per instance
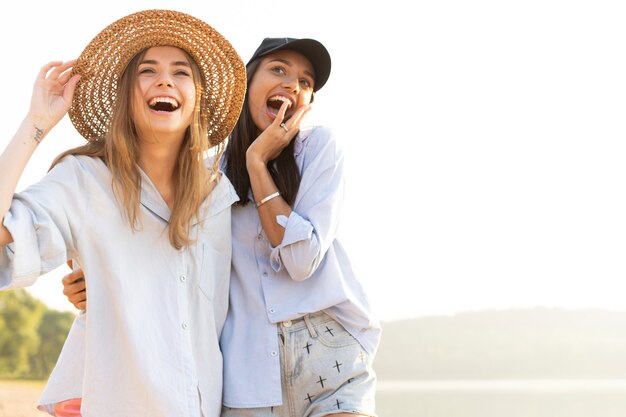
[325, 371]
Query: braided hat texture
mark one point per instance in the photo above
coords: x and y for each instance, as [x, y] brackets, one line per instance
[104, 59]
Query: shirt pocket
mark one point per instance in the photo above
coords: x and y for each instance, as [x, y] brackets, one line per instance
[214, 273]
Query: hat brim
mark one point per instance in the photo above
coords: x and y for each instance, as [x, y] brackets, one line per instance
[104, 59]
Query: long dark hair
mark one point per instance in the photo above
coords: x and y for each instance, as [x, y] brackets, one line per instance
[283, 168]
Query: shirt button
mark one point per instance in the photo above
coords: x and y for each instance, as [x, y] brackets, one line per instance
[265, 274]
[272, 310]
[259, 237]
[274, 353]
[183, 278]
[287, 323]
[184, 325]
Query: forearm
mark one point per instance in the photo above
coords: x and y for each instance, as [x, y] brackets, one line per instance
[14, 158]
[262, 186]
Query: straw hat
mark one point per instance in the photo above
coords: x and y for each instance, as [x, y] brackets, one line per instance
[105, 58]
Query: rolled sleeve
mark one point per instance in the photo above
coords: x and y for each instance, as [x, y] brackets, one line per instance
[39, 223]
[297, 229]
[23, 261]
[312, 225]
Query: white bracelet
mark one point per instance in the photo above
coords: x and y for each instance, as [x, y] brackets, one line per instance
[266, 199]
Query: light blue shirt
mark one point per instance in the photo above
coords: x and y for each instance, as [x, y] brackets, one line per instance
[149, 345]
[308, 272]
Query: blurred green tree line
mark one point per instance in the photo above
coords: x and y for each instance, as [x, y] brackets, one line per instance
[31, 335]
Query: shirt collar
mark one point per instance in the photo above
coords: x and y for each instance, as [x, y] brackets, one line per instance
[219, 199]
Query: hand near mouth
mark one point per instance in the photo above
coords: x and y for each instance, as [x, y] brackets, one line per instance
[275, 137]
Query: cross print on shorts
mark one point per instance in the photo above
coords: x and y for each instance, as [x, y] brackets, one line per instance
[338, 403]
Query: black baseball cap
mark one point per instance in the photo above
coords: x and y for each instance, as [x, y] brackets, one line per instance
[313, 50]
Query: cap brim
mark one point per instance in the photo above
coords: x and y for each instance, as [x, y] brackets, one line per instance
[314, 51]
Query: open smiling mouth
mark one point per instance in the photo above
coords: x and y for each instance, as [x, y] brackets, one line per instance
[277, 101]
[166, 104]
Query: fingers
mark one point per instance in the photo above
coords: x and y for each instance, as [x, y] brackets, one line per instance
[72, 276]
[52, 94]
[66, 76]
[277, 135]
[73, 283]
[43, 72]
[280, 116]
[61, 72]
[76, 294]
[56, 69]
[81, 305]
[294, 121]
[74, 288]
[64, 73]
[300, 114]
[79, 300]
[70, 86]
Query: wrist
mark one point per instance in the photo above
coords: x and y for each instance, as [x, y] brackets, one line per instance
[267, 198]
[37, 129]
[254, 163]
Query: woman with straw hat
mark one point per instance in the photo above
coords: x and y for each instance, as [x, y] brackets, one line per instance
[300, 335]
[137, 208]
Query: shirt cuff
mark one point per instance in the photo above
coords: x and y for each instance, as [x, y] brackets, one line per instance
[296, 230]
[21, 261]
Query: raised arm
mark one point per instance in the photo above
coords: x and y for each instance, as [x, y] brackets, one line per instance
[50, 101]
[266, 147]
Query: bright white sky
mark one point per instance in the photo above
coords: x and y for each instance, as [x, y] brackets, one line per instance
[485, 140]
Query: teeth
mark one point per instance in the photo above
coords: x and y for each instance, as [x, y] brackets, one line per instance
[283, 99]
[168, 100]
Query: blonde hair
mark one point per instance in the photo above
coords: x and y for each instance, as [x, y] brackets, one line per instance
[119, 150]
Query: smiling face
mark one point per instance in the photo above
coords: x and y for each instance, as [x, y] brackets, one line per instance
[281, 76]
[164, 96]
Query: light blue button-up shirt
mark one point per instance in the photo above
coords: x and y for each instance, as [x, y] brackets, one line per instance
[149, 345]
[308, 272]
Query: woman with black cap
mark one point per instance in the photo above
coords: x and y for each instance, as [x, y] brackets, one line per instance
[300, 336]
